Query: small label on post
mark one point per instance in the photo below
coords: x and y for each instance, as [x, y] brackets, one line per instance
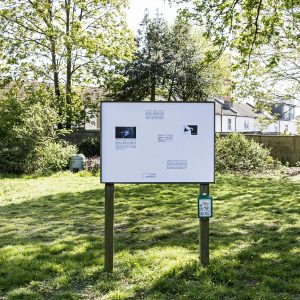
[205, 206]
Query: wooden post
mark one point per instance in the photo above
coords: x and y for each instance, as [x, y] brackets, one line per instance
[109, 227]
[204, 232]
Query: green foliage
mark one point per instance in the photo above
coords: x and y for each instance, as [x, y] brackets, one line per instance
[298, 126]
[264, 40]
[67, 43]
[92, 164]
[52, 241]
[244, 24]
[170, 64]
[90, 146]
[28, 131]
[50, 156]
[235, 152]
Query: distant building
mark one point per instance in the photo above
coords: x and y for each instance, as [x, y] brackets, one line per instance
[286, 120]
[243, 117]
[236, 117]
[240, 117]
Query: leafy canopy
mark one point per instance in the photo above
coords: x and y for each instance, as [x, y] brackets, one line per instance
[264, 39]
[170, 64]
[64, 42]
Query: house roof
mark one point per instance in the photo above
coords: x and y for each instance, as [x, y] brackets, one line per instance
[236, 109]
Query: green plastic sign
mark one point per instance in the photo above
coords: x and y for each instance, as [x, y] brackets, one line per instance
[205, 207]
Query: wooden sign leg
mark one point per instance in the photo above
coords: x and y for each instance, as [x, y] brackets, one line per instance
[109, 227]
[204, 232]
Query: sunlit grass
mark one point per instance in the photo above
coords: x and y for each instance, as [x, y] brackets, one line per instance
[52, 227]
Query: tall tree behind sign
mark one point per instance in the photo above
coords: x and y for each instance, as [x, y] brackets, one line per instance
[170, 64]
[63, 42]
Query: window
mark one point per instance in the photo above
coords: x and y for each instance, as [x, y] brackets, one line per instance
[286, 127]
[246, 125]
[229, 124]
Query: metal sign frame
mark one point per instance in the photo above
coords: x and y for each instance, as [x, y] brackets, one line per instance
[154, 182]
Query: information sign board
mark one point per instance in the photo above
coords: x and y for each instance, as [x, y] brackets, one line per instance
[157, 142]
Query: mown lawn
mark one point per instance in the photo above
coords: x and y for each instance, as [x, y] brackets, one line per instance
[51, 240]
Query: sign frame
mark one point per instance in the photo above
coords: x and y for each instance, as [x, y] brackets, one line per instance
[159, 182]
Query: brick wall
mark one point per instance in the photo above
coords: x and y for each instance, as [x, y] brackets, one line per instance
[77, 136]
[285, 148]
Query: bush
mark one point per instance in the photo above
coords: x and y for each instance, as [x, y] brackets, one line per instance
[235, 152]
[51, 156]
[90, 146]
[92, 164]
[28, 131]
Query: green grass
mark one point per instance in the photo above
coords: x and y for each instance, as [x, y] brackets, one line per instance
[51, 240]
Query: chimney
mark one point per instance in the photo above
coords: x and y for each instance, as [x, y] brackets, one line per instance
[227, 104]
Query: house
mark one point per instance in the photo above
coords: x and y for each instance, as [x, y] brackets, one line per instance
[239, 117]
[243, 117]
[286, 120]
[236, 117]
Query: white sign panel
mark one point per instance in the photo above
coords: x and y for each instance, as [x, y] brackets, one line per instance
[144, 142]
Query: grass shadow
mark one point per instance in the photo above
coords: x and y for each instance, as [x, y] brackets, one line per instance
[52, 246]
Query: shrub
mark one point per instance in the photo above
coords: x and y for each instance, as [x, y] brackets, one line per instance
[92, 164]
[28, 131]
[51, 156]
[90, 146]
[235, 152]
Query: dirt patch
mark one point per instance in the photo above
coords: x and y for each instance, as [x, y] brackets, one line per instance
[294, 171]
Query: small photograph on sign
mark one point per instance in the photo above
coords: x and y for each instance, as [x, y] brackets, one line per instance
[205, 209]
[125, 132]
[191, 129]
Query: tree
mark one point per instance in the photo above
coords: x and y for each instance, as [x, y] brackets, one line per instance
[190, 76]
[264, 40]
[146, 73]
[276, 66]
[170, 63]
[64, 42]
[29, 139]
[243, 24]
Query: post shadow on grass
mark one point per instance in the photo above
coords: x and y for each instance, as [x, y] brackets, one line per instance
[138, 220]
[57, 226]
[247, 274]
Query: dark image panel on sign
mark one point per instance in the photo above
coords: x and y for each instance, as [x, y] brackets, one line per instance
[125, 132]
[193, 129]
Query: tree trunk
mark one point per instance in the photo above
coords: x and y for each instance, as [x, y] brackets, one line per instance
[172, 84]
[170, 90]
[54, 65]
[153, 84]
[69, 69]
[57, 91]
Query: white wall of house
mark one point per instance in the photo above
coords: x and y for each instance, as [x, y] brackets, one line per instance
[282, 127]
[238, 124]
[228, 123]
[94, 122]
[217, 123]
[297, 110]
[246, 124]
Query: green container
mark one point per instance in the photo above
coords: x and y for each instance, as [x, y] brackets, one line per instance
[77, 162]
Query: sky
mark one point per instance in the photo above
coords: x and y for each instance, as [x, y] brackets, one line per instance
[137, 8]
